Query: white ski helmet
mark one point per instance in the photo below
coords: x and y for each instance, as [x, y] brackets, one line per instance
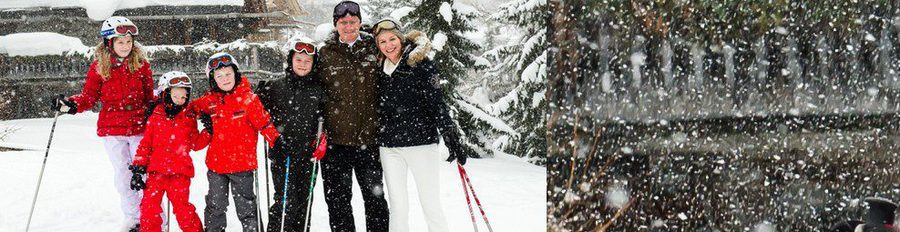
[117, 26]
[172, 79]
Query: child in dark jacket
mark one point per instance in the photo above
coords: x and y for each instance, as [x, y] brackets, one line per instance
[297, 104]
[164, 153]
[235, 117]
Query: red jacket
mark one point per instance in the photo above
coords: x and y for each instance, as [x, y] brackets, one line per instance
[237, 118]
[124, 97]
[167, 142]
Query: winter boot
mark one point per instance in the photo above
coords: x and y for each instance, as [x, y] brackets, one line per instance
[135, 228]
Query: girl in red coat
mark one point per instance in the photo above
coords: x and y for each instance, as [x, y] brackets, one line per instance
[235, 116]
[164, 153]
[120, 79]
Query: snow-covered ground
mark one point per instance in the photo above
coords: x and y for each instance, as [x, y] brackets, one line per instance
[77, 192]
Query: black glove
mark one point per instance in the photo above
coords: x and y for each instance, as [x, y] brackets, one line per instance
[137, 181]
[151, 105]
[207, 122]
[63, 105]
[282, 143]
[457, 150]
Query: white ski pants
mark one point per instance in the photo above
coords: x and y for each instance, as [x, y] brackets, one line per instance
[422, 161]
[121, 150]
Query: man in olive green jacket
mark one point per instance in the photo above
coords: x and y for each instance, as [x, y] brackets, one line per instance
[348, 67]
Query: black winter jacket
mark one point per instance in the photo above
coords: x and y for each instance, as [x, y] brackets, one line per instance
[411, 106]
[296, 104]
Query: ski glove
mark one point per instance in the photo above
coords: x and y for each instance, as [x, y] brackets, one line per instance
[149, 111]
[457, 151]
[319, 151]
[207, 122]
[281, 143]
[63, 105]
[137, 181]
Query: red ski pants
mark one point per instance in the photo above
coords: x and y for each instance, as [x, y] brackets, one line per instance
[177, 188]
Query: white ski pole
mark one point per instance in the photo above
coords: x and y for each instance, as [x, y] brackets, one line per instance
[312, 181]
[41, 175]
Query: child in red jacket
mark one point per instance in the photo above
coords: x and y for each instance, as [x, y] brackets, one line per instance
[164, 153]
[235, 117]
[121, 80]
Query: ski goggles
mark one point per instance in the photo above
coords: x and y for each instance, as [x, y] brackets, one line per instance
[346, 7]
[307, 48]
[219, 61]
[386, 24]
[180, 81]
[121, 30]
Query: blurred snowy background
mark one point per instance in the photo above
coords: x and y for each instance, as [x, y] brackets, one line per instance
[720, 115]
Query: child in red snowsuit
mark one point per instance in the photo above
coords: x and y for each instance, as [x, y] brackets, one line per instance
[237, 118]
[164, 153]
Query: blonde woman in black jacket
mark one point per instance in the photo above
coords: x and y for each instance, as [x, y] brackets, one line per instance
[412, 117]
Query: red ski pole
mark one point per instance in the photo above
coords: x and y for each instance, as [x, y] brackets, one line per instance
[480, 208]
[462, 178]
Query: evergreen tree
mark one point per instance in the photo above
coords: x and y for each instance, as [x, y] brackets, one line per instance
[380, 9]
[523, 61]
[446, 25]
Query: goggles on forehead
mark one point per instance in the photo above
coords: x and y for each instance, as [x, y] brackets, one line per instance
[219, 61]
[121, 30]
[180, 81]
[386, 24]
[307, 48]
[345, 8]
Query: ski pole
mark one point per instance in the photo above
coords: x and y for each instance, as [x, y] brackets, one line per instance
[41, 175]
[287, 172]
[471, 188]
[312, 179]
[462, 178]
[312, 184]
[266, 153]
[168, 213]
[259, 220]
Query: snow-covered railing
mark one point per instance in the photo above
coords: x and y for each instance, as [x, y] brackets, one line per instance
[258, 59]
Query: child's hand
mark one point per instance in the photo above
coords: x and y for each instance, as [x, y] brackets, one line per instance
[207, 122]
[320, 148]
[137, 181]
[63, 105]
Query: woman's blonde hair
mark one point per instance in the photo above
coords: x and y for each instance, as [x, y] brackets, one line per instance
[102, 54]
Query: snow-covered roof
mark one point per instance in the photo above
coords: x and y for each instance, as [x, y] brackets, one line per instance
[23, 44]
[102, 9]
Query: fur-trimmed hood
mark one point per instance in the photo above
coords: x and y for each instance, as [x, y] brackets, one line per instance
[416, 48]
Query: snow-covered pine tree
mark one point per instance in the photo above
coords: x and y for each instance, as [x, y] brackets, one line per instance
[523, 61]
[446, 25]
[380, 9]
